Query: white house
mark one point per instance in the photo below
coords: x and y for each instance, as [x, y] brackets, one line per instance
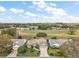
[34, 27]
[21, 28]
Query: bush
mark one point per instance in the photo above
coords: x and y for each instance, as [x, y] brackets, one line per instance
[71, 32]
[40, 34]
[19, 37]
[51, 54]
[54, 37]
[22, 49]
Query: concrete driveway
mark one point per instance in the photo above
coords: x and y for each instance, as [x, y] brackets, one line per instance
[43, 48]
[43, 51]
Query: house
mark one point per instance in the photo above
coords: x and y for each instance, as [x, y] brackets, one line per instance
[21, 28]
[32, 42]
[56, 43]
[18, 42]
[34, 27]
[56, 28]
[60, 28]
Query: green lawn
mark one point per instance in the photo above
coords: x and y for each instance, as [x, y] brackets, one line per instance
[23, 51]
[50, 33]
[33, 32]
[29, 53]
[54, 52]
[28, 34]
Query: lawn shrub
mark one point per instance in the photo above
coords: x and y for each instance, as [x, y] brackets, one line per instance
[41, 34]
[22, 49]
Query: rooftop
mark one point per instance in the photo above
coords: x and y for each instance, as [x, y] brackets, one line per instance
[58, 42]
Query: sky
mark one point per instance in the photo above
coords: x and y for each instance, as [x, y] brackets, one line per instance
[39, 11]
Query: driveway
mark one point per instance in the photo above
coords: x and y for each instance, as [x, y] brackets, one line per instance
[43, 51]
[43, 48]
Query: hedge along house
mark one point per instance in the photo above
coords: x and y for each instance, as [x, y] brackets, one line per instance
[56, 43]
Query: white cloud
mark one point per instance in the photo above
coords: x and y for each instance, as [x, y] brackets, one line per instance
[40, 4]
[29, 14]
[49, 9]
[54, 14]
[14, 10]
[52, 4]
[56, 11]
[2, 9]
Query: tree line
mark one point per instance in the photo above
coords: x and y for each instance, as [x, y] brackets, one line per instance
[42, 26]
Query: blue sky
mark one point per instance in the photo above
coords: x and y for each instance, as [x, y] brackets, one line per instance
[39, 11]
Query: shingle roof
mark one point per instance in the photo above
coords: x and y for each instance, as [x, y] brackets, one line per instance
[18, 41]
[53, 42]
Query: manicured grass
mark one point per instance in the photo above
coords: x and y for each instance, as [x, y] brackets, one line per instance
[30, 52]
[28, 34]
[50, 33]
[54, 52]
[33, 32]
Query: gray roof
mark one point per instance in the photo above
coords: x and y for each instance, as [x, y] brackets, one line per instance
[59, 42]
[19, 42]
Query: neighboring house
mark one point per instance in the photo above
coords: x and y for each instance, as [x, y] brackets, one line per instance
[56, 43]
[21, 28]
[33, 27]
[27, 28]
[60, 28]
[56, 28]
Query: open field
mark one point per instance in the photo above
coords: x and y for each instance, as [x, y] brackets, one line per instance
[51, 33]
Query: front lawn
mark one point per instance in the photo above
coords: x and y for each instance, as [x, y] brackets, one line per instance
[54, 52]
[30, 52]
